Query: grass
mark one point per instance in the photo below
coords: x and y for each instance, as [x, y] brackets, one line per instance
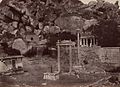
[36, 66]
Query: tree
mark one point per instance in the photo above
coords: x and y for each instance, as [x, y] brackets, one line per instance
[106, 29]
[107, 33]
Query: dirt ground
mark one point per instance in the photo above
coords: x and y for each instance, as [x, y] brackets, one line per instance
[33, 77]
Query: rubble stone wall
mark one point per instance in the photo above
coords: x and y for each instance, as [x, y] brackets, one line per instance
[90, 54]
[110, 54]
[102, 54]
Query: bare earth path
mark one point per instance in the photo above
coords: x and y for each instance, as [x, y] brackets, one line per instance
[34, 77]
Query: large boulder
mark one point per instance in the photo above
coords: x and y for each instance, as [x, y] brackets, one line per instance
[89, 23]
[70, 23]
[20, 45]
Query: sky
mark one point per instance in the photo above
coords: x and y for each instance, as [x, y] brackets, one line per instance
[0, 0]
[112, 1]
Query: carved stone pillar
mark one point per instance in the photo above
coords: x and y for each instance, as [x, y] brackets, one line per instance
[80, 41]
[91, 42]
[87, 42]
[83, 41]
[94, 41]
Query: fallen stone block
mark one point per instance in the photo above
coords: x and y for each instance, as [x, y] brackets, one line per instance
[51, 76]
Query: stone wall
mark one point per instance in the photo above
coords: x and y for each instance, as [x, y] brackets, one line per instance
[110, 54]
[103, 54]
[90, 54]
[94, 59]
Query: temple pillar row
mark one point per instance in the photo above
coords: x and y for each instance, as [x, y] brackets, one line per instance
[88, 42]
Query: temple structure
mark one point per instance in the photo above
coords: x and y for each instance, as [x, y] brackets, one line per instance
[88, 40]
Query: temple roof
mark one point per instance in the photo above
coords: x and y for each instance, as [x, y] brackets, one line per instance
[86, 35]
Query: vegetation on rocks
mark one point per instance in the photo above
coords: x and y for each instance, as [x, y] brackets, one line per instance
[53, 20]
[97, 17]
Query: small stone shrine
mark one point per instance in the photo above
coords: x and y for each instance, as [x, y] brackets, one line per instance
[88, 40]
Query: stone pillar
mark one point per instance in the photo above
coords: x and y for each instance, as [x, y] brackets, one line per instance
[94, 43]
[91, 42]
[80, 41]
[70, 55]
[87, 42]
[58, 48]
[13, 64]
[78, 46]
[83, 41]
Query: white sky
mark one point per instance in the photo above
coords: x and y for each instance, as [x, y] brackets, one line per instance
[112, 1]
[0, 0]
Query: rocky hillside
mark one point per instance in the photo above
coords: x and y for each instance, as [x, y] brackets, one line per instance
[63, 15]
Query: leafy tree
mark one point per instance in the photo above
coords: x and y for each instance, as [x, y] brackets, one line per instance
[106, 30]
[107, 33]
